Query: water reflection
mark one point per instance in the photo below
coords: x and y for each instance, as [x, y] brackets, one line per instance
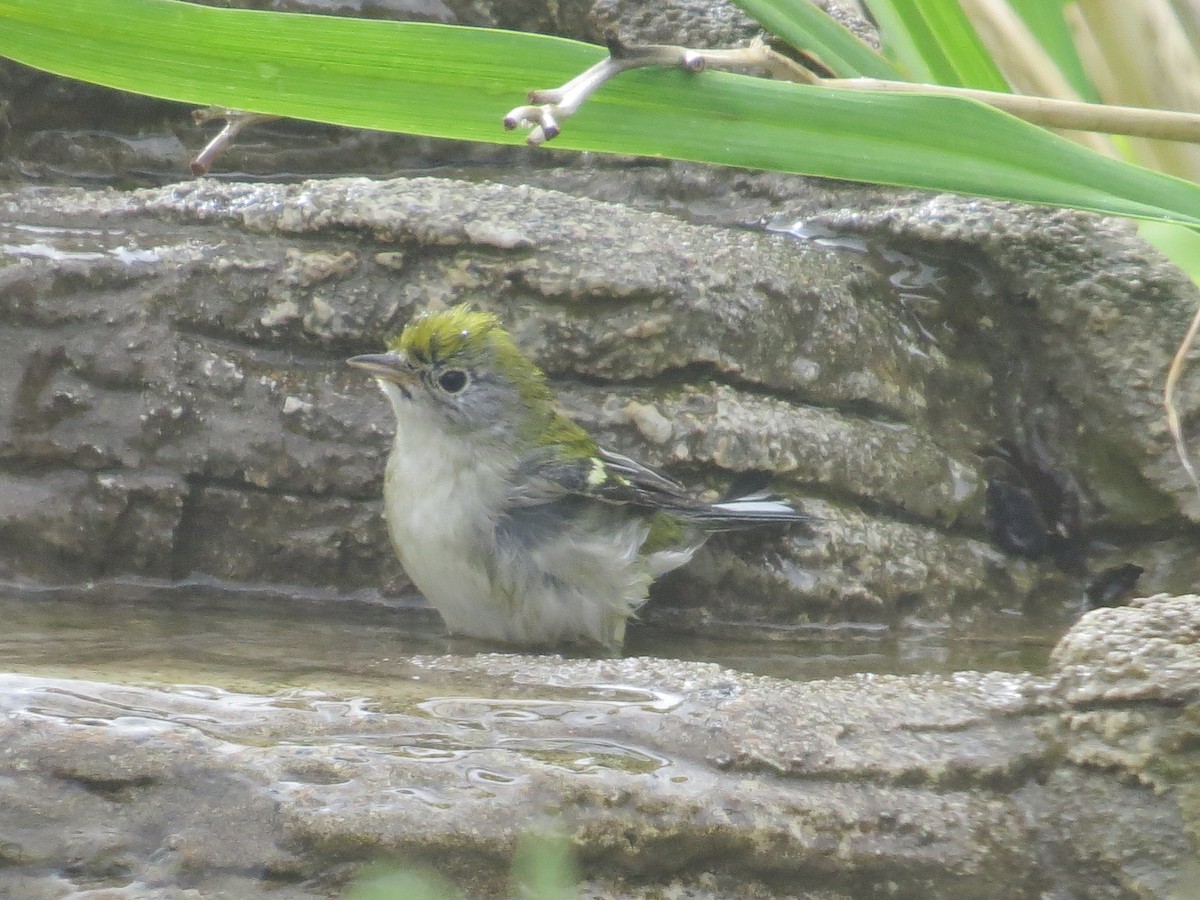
[264, 640]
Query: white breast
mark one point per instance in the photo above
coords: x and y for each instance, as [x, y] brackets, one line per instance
[440, 503]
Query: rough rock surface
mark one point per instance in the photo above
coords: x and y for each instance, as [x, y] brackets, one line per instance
[174, 398]
[661, 773]
[1090, 310]
[172, 403]
[171, 399]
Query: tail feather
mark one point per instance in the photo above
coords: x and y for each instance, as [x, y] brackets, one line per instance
[759, 508]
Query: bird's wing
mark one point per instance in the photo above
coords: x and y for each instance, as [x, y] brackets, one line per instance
[545, 476]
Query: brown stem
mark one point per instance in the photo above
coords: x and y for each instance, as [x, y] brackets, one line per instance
[1076, 115]
[548, 109]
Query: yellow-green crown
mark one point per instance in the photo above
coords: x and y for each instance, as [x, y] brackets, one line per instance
[466, 337]
[437, 337]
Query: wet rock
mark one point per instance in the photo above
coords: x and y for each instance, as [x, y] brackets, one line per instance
[1080, 338]
[198, 332]
[659, 772]
[284, 538]
[71, 525]
[1103, 659]
[242, 388]
[1128, 681]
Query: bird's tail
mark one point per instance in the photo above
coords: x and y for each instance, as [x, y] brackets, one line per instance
[749, 510]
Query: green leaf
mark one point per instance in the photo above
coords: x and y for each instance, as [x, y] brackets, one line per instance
[902, 48]
[1045, 19]
[937, 43]
[394, 76]
[544, 868]
[459, 82]
[1178, 244]
[387, 883]
[809, 29]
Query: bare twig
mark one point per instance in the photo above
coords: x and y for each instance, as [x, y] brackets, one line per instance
[235, 121]
[1141, 54]
[1026, 64]
[548, 109]
[1174, 373]
[1167, 125]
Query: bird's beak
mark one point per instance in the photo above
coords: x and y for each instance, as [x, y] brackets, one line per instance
[390, 366]
[381, 365]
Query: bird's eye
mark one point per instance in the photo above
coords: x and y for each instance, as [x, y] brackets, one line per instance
[453, 381]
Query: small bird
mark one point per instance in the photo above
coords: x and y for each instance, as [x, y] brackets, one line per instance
[509, 518]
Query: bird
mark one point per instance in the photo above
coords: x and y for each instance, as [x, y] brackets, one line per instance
[506, 514]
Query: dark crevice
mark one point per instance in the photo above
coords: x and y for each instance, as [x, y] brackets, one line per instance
[950, 777]
[1135, 705]
[271, 346]
[116, 789]
[112, 557]
[694, 374]
[177, 569]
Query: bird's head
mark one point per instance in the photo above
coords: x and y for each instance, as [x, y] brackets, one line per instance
[461, 368]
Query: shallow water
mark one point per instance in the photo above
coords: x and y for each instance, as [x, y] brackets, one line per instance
[267, 639]
[282, 740]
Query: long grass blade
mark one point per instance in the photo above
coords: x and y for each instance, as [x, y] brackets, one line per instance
[947, 49]
[458, 82]
[809, 29]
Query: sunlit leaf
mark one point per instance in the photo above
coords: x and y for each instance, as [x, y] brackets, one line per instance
[1045, 19]
[1180, 245]
[454, 82]
[807, 28]
[937, 43]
